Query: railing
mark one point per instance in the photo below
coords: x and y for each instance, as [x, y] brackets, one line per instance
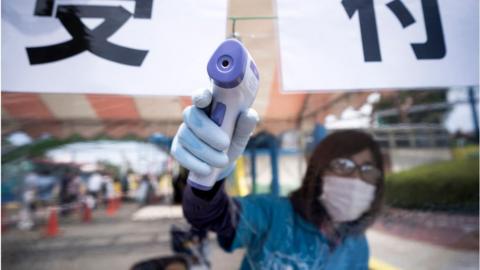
[411, 136]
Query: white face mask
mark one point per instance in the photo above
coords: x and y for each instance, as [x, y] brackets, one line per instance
[346, 199]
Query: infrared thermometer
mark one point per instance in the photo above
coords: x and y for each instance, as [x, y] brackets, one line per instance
[235, 83]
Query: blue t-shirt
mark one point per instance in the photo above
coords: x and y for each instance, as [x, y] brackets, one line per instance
[275, 237]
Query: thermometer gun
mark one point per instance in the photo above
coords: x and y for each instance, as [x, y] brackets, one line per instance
[235, 83]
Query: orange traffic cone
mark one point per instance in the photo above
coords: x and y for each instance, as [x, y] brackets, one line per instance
[111, 209]
[87, 213]
[52, 226]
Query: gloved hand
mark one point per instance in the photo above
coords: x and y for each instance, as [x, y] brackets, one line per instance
[200, 144]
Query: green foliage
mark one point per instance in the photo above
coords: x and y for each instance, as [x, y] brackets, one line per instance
[469, 151]
[38, 148]
[451, 185]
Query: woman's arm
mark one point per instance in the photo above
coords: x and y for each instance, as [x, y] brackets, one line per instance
[200, 145]
[212, 210]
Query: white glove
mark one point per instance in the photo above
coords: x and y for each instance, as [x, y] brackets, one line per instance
[200, 144]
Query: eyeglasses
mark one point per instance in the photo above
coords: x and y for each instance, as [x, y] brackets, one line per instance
[346, 167]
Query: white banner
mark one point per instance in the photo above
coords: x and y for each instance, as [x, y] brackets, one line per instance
[379, 44]
[138, 47]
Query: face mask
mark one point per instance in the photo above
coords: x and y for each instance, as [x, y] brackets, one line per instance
[346, 199]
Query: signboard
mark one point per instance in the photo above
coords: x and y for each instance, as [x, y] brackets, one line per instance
[365, 44]
[141, 47]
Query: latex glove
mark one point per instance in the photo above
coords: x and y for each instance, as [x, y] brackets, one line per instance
[200, 144]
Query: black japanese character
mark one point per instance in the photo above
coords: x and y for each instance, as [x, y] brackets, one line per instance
[433, 48]
[86, 39]
[368, 26]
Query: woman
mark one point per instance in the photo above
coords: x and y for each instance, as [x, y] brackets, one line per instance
[320, 226]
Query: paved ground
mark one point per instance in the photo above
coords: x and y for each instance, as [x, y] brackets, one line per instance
[105, 243]
[118, 242]
[457, 231]
[402, 253]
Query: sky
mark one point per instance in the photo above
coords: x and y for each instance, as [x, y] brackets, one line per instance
[460, 118]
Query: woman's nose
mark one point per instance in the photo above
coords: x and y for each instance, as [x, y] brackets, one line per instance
[356, 173]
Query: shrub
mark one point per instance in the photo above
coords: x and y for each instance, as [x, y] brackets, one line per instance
[451, 185]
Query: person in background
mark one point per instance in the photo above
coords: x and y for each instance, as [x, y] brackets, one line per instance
[145, 190]
[125, 185]
[319, 226]
[46, 187]
[69, 190]
[27, 213]
[94, 186]
[133, 182]
[117, 185]
[179, 183]
[108, 188]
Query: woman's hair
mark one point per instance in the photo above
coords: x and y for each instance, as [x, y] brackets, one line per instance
[339, 144]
